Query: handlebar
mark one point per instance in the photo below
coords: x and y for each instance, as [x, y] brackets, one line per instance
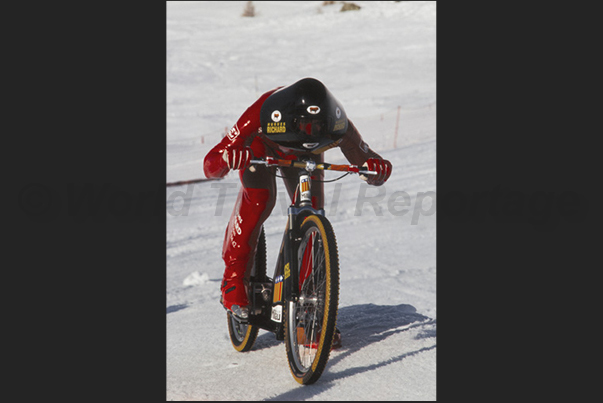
[311, 165]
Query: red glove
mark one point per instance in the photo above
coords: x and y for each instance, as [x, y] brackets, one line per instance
[383, 169]
[238, 158]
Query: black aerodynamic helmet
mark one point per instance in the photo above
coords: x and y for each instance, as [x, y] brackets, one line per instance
[304, 116]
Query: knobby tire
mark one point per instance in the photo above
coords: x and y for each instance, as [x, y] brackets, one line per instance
[310, 322]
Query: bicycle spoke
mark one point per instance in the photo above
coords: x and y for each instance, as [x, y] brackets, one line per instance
[309, 307]
[311, 317]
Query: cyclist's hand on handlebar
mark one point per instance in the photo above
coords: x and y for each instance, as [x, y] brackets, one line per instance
[383, 169]
[238, 158]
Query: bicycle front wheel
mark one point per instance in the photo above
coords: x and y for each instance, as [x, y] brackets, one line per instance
[310, 321]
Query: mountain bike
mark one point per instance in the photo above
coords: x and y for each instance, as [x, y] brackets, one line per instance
[299, 303]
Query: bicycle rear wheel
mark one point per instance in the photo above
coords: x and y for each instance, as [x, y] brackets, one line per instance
[310, 321]
[243, 335]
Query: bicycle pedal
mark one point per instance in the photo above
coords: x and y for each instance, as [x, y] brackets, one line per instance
[301, 339]
[240, 311]
[240, 314]
[336, 340]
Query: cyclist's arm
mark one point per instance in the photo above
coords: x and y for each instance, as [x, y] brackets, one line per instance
[354, 148]
[241, 135]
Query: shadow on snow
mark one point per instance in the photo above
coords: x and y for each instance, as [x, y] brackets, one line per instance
[360, 326]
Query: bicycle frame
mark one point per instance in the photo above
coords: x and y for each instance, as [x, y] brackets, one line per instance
[284, 287]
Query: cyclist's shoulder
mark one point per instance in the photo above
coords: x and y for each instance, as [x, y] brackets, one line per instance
[253, 111]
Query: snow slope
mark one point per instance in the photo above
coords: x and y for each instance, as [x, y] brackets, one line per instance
[374, 60]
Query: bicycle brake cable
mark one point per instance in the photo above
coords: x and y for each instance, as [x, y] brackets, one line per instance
[314, 180]
[332, 180]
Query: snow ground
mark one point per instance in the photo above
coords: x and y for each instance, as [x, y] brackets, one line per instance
[374, 60]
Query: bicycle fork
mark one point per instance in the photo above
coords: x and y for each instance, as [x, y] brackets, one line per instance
[285, 284]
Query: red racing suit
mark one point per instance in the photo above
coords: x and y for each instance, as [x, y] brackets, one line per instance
[257, 195]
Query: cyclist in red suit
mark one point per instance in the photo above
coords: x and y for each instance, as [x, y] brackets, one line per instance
[301, 120]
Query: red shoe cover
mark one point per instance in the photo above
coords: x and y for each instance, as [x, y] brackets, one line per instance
[234, 293]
